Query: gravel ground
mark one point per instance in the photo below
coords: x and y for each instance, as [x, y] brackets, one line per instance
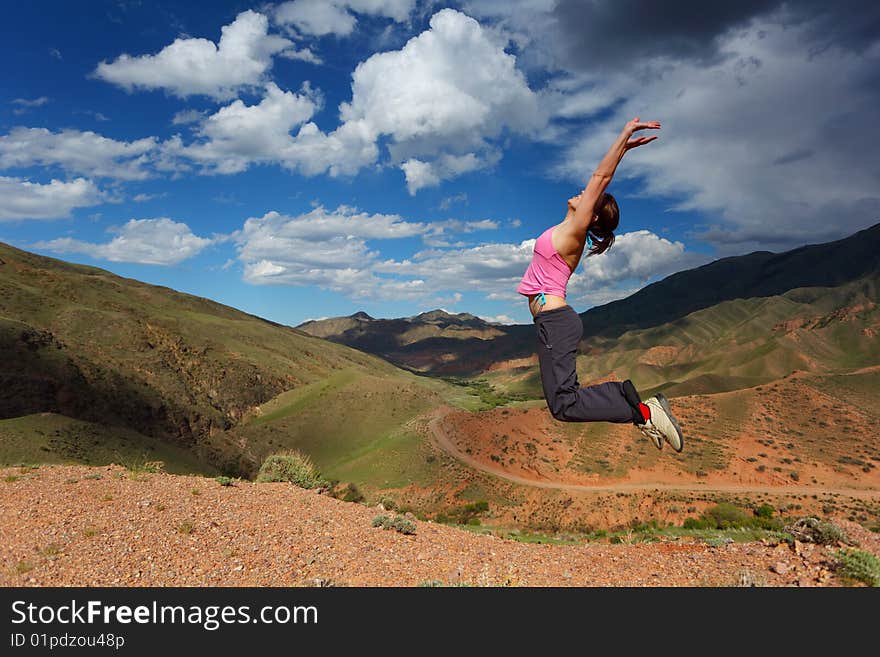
[80, 526]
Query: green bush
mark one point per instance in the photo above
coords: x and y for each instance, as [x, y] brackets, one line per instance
[291, 466]
[729, 516]
[813, 530]
[225, 481]
[400, 524]
[726, 516]
[388, 502]
[858, 566]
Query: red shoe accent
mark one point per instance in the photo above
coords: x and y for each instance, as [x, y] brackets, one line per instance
[646, 412]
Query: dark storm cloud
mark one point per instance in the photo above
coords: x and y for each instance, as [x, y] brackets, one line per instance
[613, 35]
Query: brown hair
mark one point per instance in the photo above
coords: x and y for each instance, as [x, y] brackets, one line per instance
[602, 232]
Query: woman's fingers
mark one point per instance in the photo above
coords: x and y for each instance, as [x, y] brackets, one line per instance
[640, 141]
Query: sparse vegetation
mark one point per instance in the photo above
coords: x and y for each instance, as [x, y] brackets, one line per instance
[397, 523]
[729, 516]
[388, 502]
[814, 530]
[51, 550]
[23, 566]
[291, 466]
[469, 514]
[225, 481]
[858, 566]
[186, 527]
[352, 493]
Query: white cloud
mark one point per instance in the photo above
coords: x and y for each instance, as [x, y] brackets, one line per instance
[77, 152]
[187, 116]
[239, 135]
[23, 105]
[22, 199]
[322, 248]
[498, 319]
[304, 55]
[635, 259]
[329, 249]
[197, 66]
[448, 201]
[441, 98]
[323, 17]
[142, 198]
[145, 241]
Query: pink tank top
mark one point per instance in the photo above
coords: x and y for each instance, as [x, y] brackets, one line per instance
[548, 272]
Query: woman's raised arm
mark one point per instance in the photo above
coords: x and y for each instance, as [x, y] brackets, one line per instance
[594, 190]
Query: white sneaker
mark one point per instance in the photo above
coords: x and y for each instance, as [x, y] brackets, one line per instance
[662, 425]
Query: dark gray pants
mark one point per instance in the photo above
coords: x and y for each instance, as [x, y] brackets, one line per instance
[559, 332]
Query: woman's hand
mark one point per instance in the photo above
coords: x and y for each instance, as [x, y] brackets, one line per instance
[634, 126]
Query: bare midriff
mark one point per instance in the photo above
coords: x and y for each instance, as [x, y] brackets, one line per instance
[553, 301]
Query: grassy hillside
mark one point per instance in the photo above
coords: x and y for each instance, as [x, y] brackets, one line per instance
[83, 343]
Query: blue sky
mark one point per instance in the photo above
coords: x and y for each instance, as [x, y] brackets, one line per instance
[310, 159]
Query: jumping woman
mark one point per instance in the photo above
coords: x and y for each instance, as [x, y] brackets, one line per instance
[590, 222]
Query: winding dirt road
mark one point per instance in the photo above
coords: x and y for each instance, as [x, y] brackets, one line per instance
[442, 440]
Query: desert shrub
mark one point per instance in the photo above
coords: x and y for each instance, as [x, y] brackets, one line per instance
[291, 466]
[225, 481]
[729, 516]
[695, 523]
[813, 530]
[726, 516]
[399, 523]
[858, 566]
[352, 494]
[388, 502]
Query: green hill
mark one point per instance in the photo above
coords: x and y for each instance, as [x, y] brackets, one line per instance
[174, 369]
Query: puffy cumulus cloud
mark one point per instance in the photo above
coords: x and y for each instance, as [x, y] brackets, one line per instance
[159, 241]
[323, 248]
[635, 259]
[194, 66]
[421, 174]
[446, 92]
[761, 141]
[330, 249]
[441, 100]
[323, 17]
[77, 152]
[22, 199]
[238, 134]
